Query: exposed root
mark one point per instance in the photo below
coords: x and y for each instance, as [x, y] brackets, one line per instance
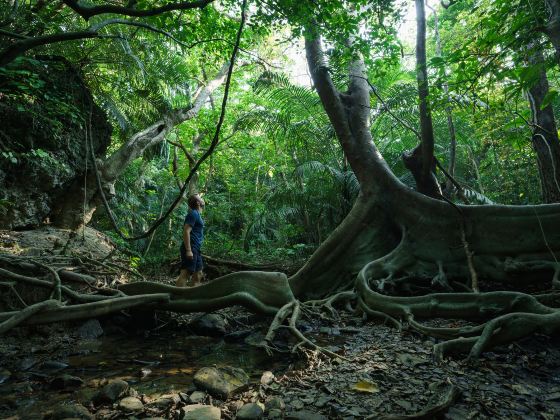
[292, 310]
[87, 310]
[256, 290]
[327, 304]
[507, 316]
[21, 316]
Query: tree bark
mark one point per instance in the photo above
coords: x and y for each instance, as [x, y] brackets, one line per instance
[545, 133]
[420, 161]
[552, 29]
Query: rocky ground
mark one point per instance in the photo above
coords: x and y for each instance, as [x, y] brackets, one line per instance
[381, 373]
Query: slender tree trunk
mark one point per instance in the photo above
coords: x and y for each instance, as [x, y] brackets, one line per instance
[448, 111]
[545, 133]
[552, 29]
[420, 161]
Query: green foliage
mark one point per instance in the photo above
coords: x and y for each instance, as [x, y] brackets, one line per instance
[278, 182]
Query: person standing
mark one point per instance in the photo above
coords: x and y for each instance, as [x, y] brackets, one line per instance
[193, 236]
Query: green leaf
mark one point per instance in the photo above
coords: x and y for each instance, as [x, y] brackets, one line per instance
[549, 97]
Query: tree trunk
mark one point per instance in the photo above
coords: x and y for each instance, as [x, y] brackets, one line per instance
[430, 232]
[420, 161]
[545, 133]
[552, 29]
[448, 112]
[77, 207]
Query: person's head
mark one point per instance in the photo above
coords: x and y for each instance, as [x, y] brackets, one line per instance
[195, 202]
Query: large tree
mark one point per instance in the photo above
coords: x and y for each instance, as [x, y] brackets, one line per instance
[394, 241]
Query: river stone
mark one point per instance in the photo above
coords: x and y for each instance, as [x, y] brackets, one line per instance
[90, 329]
[128, 404]
[165, 401]
[274, 403]
[66, 381]
[75, 411]
[200, 412]
[197, 397]
[250, 411]
[111, 392]
[211, 325]
[221, 382]
[304, 415]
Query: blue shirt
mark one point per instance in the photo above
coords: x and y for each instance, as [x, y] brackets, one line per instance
[196, 223]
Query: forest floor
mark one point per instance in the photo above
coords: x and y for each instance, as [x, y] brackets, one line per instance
[45, 371]
[387, 372]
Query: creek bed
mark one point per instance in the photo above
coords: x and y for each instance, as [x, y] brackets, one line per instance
[156, 365]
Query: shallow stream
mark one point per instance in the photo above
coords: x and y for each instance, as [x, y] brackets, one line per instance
[155, 365]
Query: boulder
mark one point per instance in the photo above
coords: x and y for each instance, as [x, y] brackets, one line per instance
[165, 401]
[197, 397]
[221, 382]
[211, 325]
[73, 411]
[200, 412]
[250, 411]
[130, 404]
[111, 392]
[43, 141]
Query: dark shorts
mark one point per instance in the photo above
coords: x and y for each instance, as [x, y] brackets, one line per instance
[193, 265]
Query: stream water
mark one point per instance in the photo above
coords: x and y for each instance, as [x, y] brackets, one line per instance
[156, 365]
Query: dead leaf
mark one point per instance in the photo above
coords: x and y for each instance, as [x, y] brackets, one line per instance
[365, 386]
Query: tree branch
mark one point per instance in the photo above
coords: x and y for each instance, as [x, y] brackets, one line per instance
[89, 11]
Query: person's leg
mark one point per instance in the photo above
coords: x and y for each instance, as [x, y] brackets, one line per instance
[197, 275]
[186, 269]
[183, 278]
[197, 278]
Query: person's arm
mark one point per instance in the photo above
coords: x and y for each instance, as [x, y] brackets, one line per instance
[187, 240]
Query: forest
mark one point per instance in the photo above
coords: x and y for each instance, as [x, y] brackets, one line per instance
[314, 209]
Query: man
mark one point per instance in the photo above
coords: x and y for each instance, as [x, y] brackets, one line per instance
[193, 236]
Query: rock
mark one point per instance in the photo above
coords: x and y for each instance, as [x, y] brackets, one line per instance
[304, 415]
[274, 403]
[200, 412]
[165, 401]
[90, 329]
[221, 382]
[74, 411]
[197, 397]
[47, 159]
[211, 325]
[267, 378]
[130, 404]
[111, 392]
[66, 382]
[250, 411]
[53, 365]
[274, 414]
